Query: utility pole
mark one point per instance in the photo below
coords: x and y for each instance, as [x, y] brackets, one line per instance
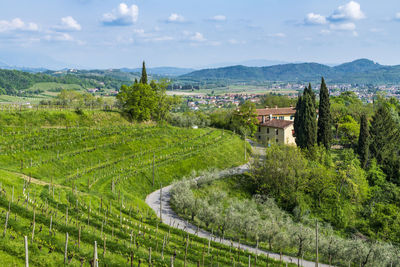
[154, 156]
[161, 202]
[245, 156]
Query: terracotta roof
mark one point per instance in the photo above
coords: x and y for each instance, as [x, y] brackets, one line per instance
[281, 124]
[275, 111]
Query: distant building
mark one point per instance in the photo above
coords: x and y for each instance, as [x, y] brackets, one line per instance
[92, 90]
[276, 132]
[276, 126]
[276, 113]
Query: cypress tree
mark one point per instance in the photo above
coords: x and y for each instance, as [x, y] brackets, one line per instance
[305, 119]
[143, 79]
[136, 81]
[298, 122]
[384, 146]
[324, 134]
[310, 122]
[363, 149]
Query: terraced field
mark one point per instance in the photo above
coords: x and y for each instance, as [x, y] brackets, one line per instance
[88, 184]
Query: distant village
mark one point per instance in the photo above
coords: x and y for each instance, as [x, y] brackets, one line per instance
[365, 93]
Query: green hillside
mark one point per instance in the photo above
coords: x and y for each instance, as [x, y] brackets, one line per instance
[359, 71]
[89, 180]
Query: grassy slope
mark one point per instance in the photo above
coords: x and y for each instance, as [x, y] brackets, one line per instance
[123, 153]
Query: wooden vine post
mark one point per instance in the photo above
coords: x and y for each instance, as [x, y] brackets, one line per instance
[95, 259]
[66, 249]
[316, 243]
[26, 251]
[33, 229]
[186, 249]
[5, 225]
[149, 256]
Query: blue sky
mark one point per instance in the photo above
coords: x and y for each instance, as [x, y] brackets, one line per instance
[113, 34]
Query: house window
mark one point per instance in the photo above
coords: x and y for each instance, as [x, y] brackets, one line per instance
[276, 131]
[259, 137]
[274, 118]
[291, 117]
[282, 117]
[267, 130]
[259, 129]
[277, 140]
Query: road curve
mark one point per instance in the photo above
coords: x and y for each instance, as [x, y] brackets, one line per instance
[168, 216]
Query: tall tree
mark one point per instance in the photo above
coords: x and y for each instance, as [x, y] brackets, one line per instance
[385, 138]
[363, 139]
[244, 119]
[324, 134]
[305, 119]
[298, 121]
[143, 79]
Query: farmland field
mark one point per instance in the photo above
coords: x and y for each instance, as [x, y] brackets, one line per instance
[89, 179]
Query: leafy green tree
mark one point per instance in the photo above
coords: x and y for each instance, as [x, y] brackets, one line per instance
[281, 175]
[143, 79]
[244, 119]
[348, 131]
[271, 100]
[324, 134]
[363, 139]
[164, 102]
[138, 101]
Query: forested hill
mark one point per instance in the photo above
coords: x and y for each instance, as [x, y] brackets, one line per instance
[12, 82]
[358, 71]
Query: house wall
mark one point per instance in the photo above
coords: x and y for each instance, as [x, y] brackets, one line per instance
[270, 136]
[289, 138]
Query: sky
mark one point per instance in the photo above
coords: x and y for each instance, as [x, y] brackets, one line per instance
[195, 33]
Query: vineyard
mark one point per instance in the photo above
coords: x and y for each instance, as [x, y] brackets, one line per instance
[73, 194]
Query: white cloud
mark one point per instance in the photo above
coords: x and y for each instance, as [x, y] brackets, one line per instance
[218, 18]
[315, 19]
[139, 32]
[343, 27]
[215, 43]
[397, 16]
[122, 16]
[69, 24]
[197, 37]
[277, 35]
[175, 18]
[349, 11]
[161, 39]
[17, 24]
[58, 37]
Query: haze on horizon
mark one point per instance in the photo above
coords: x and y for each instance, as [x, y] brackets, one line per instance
[115, 34]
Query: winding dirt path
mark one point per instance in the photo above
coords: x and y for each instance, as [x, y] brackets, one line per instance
[168, 216]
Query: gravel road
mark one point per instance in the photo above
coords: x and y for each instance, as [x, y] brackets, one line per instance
[168, 216]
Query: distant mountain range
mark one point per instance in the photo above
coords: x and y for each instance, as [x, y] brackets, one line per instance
[363, 71]
[162, 71]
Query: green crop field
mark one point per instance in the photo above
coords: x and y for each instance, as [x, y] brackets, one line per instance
[52, 86]
[86, 177]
